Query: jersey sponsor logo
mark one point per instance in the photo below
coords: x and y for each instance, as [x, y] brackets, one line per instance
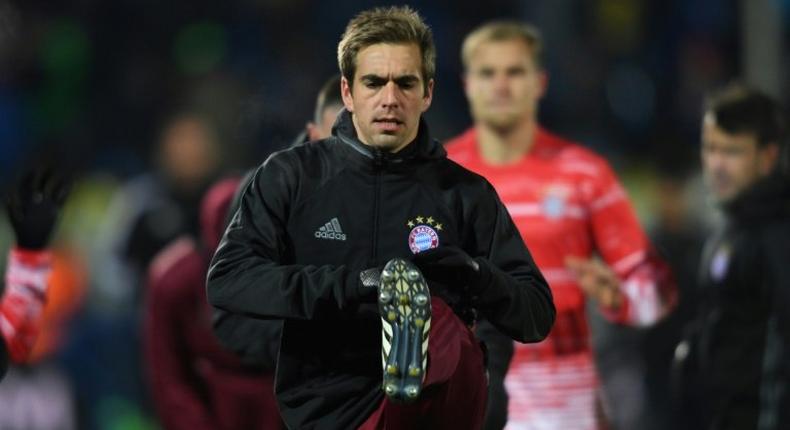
[424, 233]
[720, 263]
[331, 231]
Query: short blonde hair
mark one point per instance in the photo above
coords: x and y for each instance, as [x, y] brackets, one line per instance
[498, 31]
[395, 25]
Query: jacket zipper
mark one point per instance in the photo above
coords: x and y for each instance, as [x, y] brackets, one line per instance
[378, 164]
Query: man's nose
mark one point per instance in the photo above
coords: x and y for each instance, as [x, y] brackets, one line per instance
[501, 83]
[715, 161]
[389, 95]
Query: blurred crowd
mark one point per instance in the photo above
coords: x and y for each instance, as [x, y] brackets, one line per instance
[147, 104]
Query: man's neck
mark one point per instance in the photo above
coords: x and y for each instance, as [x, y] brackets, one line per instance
[503, 146]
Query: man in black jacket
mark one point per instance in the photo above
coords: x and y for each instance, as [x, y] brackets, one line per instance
[738, 356]
[317, 223]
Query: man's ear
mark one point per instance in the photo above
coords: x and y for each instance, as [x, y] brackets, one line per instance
[465, 84]
[312, 131]
[767, 158]
[345, 92]
[543, 82]
[428, 96]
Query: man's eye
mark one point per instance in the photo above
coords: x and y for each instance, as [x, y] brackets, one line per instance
[406, 85]
[517, 72]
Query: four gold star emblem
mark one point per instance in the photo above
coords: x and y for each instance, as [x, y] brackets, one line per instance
[426, 221]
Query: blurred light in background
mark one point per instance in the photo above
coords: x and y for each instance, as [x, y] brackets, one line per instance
[631, 95]
[64, 56]
[620, 24]
[200, 47]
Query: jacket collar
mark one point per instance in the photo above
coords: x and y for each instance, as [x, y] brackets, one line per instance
[767, 199]
[422, 148]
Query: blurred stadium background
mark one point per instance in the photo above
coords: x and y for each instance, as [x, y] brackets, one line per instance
[91, 86]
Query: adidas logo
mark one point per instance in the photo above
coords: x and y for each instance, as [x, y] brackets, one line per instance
[331, 230]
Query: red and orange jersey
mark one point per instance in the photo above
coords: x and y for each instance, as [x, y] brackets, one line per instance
[567, 201]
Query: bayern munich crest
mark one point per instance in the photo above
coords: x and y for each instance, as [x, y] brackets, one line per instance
[424, 234]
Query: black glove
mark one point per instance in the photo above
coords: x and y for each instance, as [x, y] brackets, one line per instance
[454, 269]
[33, 206]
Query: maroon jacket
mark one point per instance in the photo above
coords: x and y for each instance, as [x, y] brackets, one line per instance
[196, 383]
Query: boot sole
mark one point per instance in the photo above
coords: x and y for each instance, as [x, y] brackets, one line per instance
[405, 307]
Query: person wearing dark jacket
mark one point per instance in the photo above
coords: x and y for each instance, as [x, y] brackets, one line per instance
[319, 221]
[736, 361]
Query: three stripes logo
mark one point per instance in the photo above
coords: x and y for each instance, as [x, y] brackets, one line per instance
[331, 231]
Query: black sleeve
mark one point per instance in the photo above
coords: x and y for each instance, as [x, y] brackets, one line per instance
[250, 274]
[255, 341]
[516, 297]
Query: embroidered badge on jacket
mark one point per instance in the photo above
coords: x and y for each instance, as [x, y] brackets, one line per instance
[424, 233]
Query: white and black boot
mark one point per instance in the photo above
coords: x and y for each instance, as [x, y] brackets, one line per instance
[405, 308]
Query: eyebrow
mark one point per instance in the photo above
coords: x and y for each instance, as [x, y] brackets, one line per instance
[400, 80]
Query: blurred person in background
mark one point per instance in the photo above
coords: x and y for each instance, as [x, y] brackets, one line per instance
[144, 215]
[327, 105]
[570, 209]
[300, 248]
[195, 382]
[733, 368]
[152, 209]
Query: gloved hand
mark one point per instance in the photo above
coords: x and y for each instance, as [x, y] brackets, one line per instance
[33, 206]
[454, 269]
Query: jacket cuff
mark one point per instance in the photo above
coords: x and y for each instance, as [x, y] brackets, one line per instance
[484, 280]
[30, 257]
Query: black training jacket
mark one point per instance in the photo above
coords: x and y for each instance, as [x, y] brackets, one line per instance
[741, 347]
[314, 216]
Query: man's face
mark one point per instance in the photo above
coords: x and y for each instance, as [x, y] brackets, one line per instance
[503, 83]
[188, 152]
[732, 163]
[387, 96]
